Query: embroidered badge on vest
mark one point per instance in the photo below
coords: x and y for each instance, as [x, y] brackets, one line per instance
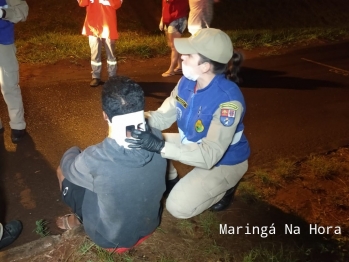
[227, 116]
[199, 127]
[181, 101]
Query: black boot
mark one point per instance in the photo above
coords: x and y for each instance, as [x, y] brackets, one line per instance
[17, 135]
[170, 184]
[225, 201]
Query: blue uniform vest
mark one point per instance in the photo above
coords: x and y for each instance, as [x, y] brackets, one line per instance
[7, 32]
[199, 107]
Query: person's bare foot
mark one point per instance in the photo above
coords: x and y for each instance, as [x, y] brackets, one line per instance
[67, 222]
[167, 74]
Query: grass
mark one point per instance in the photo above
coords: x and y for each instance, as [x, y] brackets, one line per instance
[52, 47]
[274, 254]
[208, 222]
[248, 192]
[41, 228]
[186, 227]
[321, 167]
[268, 25]
[86, 246]
[285, 169]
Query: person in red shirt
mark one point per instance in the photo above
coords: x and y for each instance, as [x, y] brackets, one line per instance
[173, 22]
[101, 27]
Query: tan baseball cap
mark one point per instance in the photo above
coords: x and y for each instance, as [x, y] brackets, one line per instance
[210, 42]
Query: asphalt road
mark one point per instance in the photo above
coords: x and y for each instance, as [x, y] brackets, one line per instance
[297, 104]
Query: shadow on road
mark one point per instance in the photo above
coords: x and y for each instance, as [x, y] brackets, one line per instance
[258, 78]
[29, 188]
[157, 90]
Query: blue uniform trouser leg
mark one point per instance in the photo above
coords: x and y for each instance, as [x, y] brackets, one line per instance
[9, 78]
[96, 56]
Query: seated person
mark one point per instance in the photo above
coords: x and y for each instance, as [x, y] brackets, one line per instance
[114, 191]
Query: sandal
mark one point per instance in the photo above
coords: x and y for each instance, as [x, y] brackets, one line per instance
[65, 222]
[178, 71]
[167, 74]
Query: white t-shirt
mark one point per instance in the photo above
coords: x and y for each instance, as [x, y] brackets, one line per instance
[200, 15]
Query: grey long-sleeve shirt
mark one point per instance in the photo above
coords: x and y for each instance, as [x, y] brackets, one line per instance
[123, 191]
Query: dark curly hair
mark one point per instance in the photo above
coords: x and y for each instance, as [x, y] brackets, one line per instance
[121, 95]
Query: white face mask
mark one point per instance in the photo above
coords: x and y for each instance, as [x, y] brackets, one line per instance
[188, 72]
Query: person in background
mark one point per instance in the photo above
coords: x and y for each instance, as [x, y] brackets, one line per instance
[11, 12]
[101, 28]
[9, 233]
[200, 15]
[174, 22]
[114, 191]
[209, 110]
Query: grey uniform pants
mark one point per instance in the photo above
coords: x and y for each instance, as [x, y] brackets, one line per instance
[200, 188]
[96, 56]
[9, 78]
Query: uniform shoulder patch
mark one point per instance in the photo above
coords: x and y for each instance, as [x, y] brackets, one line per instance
[229, 105]
[227, 117]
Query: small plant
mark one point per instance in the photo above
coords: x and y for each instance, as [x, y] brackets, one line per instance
[266, 178]
[286, 169]
[320, 167]
[85, 247]
[104, 255]
[41, 228]
[248, 192]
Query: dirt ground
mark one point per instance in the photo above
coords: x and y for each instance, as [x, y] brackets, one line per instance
[313, 195]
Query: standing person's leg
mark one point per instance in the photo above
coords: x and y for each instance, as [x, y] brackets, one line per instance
[109, 46]
[175, 30]
[9, 78]
[207, 14]
[174, 54]
[96, 59]
[202, 188]
[195, 15]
